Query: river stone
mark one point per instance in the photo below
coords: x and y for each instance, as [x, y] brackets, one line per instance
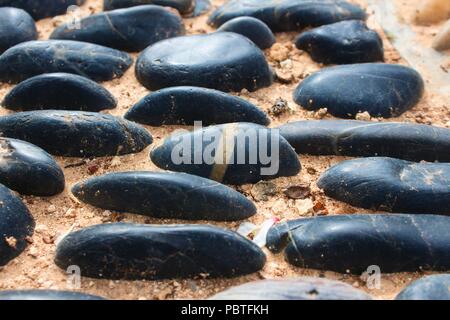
[222, 60]
[382, 90]
[16, 225]
[434, 287]
[43, 295]
[131, 29]
[201, 7]
[33, 58]
[76, 133]
[16, 26]
[352, 138]
[232, 153]
[390, 185]
[59, 91]
[165, 195]
[252, 28]
[183, 6]
[288, 15]
[344, 42]
[42, 8]
[353, 243]
[185, 105]
[134, 251]
[304, 288]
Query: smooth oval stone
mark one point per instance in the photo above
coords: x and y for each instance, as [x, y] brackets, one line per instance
[352, 138]
[185, 105]
[42, 8]
[183, 6]
[344, 42]
[222, 60]
[237, 153]
[76, 133]
[16, 26]
[45, 295]
[383, 90]
[165, 195]
[390, 185]
[28, 169]
[131, 29]
[16, 225]
[33, 58]
[353, 243]
[304, 288]
[133, 251]
[252, 28]
[201, 7]
[59, 91]
[435, 287]
[288, 15]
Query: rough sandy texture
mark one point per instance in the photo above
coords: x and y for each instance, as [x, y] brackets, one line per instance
[57, 215]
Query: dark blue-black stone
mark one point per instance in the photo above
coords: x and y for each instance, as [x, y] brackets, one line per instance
[288, 15]
[16, 26]
[353, 243]
[59, 91]
[165, 195]
[344, 42]
[252, 28]
[28, 169]
[352, 138]
[16, 225]
[33, 58]
[133, 251]
[183, 6]
[185, 105]
[130, 29]
[42, 295]
[201, 6]
[222, 60]
[237, 153]
[76, 133]
[40, 9]
[390, 185]
[383, 90]
[434, 287]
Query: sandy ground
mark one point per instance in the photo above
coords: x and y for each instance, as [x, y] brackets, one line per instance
[57, 215]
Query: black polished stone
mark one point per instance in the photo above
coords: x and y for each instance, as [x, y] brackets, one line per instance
[43, 295]
[183, 6]
[16, 26]
[252, 28]
[40, 9]
[434, 287]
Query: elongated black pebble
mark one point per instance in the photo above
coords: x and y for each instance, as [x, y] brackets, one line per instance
[237, 153]
[344, 42]
[165, 195]
[224, 61]
[185, 105]
[434, 287]
[183, 6]
[59, 91]
[390, 185]
[76, 133]
[131, 29]
[42, 295]
[16, 225]
[352, 138]
[383, 90]
[33, 58]
[252, 28]
[16, 26]
[28, 169]
[304, 288]
[133, 251]
[353, 243]
[42, 8]
[288, 15]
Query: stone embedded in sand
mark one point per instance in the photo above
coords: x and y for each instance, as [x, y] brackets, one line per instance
[16, 26]
[288, 15]
[354, 243]
[33, 58]
[252, 28]
[442, 40]
[382, 90]
[351, 138]
[59, 91]
[390, 185]
[434, 287]
[133, 252]
[40, 9]
[343, 42]
[222, 60]
[201, 7]
[76, 133]
[183, 6]
[46, 295]
[131, 29]
[432, 11]
[185, 105]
